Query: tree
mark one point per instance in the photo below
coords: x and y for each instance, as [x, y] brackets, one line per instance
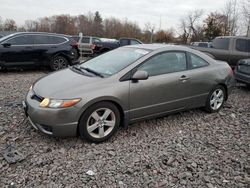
[215, 23]
[232, 15]
[246, 16]
[164, 36]
[149, 31]
[191, 29]
[10, 25]
[31, 25]
[1, 23]
[97, 25]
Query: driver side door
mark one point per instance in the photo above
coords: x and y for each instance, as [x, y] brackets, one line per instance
[164, 90]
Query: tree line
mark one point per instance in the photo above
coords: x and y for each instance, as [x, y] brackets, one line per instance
[194, 26]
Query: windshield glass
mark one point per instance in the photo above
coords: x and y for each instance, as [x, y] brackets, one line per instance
[114, 61]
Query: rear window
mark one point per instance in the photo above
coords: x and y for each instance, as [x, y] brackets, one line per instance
[203, 45]
[43, 39]
[85, 40]
[221, 43]
[243, 45]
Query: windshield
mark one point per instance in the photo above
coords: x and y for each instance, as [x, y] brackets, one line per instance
[114, 61]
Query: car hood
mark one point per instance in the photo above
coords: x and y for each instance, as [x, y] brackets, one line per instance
[65, 84]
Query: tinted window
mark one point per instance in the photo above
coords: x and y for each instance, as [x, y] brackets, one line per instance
[21, 40]
[243, 45]
[165, 63]
[43, 39]
[85, 40]
[134, 42]
[197, 62]
[96, 40]
[124, 42]
[202, 44]
[221, 43]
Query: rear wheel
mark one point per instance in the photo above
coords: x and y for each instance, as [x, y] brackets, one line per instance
[99, 122]
[215, 99]
[59, 62]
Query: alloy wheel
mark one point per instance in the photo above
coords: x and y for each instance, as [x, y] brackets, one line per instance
[216, 99]
[101, 122]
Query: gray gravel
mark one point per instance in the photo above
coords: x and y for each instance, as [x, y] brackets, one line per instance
[189, 149]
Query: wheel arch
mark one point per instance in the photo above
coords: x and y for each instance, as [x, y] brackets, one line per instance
[110, 100]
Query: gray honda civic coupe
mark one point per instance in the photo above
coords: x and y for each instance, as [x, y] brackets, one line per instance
[125, 85]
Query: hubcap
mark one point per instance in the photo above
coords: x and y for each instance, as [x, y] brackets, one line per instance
[101, 122]
[59, 63]
[216, 99]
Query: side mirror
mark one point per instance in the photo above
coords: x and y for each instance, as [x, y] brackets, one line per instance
[140, 75]
[6, 45]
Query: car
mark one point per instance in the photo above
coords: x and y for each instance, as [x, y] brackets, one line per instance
[228, 48]
[37, 48]
[126, 85]
[1, 36]
[93, 46]
[242, 72]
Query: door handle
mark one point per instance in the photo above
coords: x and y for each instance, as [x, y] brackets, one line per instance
[183, 78]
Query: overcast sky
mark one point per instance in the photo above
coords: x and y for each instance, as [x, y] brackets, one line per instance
[140, 11]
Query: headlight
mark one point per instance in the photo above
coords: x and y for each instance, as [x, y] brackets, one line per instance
[58, 103]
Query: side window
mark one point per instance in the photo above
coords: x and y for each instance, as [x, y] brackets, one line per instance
[134, 42]
[197, 62]
[21, 40]
[43, 39]
[96, 40]
[221, 43]
[85, 40]
[243, 45]
[124, 42]
[165, 63]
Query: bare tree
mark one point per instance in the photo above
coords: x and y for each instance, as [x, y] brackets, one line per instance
[246, 16]
[191, 26]
[232, 14]
[150, 28]
[1, 23]
[10, 25]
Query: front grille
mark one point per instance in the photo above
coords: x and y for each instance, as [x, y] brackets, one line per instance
[244, 69]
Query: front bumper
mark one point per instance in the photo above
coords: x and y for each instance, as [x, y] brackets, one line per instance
[242, 77]
[54, 122]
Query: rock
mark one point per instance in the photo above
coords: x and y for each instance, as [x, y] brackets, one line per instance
[90, 173]
[111, 153]
[170, 160]
[209, 185]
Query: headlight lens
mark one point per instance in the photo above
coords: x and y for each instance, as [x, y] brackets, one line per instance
[58, 103]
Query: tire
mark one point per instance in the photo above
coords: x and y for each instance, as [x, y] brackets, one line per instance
[93, 127]
[215, 99]
[58, 62]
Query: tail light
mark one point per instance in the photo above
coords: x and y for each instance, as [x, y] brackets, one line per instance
[93, 46]
[74, 44]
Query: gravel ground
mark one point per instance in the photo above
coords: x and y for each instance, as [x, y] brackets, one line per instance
[189, 149]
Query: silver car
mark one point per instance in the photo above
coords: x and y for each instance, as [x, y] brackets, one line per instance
[126, 85]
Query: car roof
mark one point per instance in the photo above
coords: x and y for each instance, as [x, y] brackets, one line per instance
[42, 33]
[154, 47]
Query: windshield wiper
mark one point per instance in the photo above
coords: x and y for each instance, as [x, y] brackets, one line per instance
[92, 71]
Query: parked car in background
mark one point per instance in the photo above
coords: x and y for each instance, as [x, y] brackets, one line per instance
[39, 49]
[242, 71]
[94, 46]
[230, 49]
[125, 85]
[202, 44]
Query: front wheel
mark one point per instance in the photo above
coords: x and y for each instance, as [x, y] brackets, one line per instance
[99, 122]
[59, 62]
[215, 99]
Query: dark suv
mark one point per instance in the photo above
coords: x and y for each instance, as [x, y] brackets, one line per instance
[40, 49]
